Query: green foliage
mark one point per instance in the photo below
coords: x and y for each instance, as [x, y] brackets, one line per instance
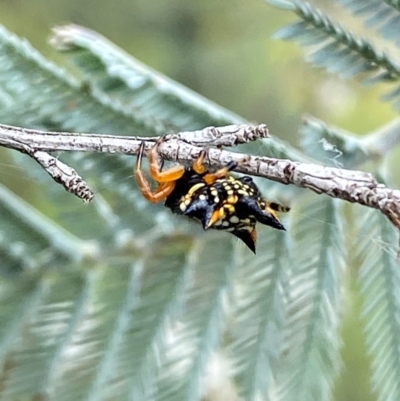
[331, 145]
[108, 70]
[341, 52]
[24, 73]
[383, 14]
[259, 311]
[120, 300]
[379, 280]
[316, 278]
[374, 239]
[29, 240]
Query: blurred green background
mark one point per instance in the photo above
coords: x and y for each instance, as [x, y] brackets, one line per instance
[223, 50]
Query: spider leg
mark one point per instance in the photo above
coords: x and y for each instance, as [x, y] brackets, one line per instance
[162, 191]
[171, 174]
[210, 178]
[271, 206]
[198, 165]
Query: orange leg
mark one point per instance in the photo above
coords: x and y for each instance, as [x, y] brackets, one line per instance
[162, 191]
[172, 174]
[210, 178]
[198, 165]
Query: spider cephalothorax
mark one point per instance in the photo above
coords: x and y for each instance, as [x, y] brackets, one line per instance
[218, 200]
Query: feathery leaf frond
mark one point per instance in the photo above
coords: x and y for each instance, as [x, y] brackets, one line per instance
[194, 334]
[393, 3]
[377, 13]
[331, 145]
[39, 93]
[312, 343]
[379, 280]
[258, 318]
[108, 69]
[339, 51]
[43, 95]
[28, 239]
[141, 311]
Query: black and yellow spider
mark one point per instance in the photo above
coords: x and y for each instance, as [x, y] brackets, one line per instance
[218, 200]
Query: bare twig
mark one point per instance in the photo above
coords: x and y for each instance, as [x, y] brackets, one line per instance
[59, 171]
[20, 138]
[353, 186]
[64, 175]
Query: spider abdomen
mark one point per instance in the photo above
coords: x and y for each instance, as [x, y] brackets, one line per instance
[217, 200]
[229, 204]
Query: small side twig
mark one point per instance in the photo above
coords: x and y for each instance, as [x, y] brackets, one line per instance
[59, 171]
[350, 185]
[64, 175]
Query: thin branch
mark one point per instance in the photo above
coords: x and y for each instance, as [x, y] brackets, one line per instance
[64, 175]
[353, 186]
[27, 140]
[59, 171]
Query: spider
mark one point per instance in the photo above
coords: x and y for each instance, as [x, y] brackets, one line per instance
[217, 199]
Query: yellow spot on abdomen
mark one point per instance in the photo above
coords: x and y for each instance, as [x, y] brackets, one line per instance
[194, 188]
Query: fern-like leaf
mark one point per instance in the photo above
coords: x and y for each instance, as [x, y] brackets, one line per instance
[29, 239]
[195, 333]
[377, 13]
[331, 145]
[143, 315]
[258, 317]
[379, 280]
[339, 50]
[312, 344]
[40, 93]
[106, 68]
